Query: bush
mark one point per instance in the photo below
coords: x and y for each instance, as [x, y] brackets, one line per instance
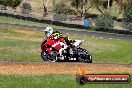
[26, 8]
[128, 12]
[87, 15]
[11, 3]
[59, 17]
[128, 26]
[104, 21]
[2, 7]
[61, 8]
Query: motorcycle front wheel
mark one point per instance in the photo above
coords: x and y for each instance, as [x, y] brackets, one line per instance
[44, 56]
[84, 55]
[48, 57]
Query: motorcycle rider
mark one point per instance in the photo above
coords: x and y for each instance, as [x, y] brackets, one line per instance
[60, 40]
[58, 37]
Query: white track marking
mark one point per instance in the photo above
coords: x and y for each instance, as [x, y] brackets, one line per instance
[75, 34]
[9, 26]
[67, 33]
[100, 37]
[17, 27]
[84, 35]
[27, 28]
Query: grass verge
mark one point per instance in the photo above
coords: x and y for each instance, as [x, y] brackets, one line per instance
[24, 45]
[51, 81]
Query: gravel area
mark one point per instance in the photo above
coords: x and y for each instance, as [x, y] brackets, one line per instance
[10, 68]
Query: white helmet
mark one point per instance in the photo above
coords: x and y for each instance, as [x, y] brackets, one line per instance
[48, 31]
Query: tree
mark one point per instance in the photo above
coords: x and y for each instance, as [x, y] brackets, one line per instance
[126, 8]
[128, 12]
[79, 4]
[104, 21]
[61, 8]
[10, 3]
[26, 8]
[45, 4]
[95, 3]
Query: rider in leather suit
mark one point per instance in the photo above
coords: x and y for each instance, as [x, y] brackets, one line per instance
[60, 43]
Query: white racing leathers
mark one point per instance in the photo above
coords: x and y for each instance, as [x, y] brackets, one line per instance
[64, 46]
[78, 43]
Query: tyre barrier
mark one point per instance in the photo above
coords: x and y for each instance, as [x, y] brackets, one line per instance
[57, 23]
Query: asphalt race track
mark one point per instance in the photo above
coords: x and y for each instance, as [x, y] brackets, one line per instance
[84, 33]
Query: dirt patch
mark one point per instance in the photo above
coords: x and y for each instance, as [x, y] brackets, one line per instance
[59, 68]
[25, 31]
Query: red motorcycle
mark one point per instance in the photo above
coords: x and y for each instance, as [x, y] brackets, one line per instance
[71, 53]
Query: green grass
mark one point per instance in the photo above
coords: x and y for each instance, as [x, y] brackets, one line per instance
[24, 45]
[19, 50]
[8, 31]
[50, 81]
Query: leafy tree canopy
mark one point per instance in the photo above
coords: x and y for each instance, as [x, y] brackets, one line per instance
[11, 3]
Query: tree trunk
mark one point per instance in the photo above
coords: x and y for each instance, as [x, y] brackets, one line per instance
[45, 2]
[45, 11]
[14, 9]
[88, 8]
[98, 8]
[83, 11]
[108, 5]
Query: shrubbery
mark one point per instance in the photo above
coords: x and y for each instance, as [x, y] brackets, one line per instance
[128, 26]
[128, 12]
[61, 8]
[26, 8]
[128, 16]
[87, 15]
[104, 21]
[11, 3]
